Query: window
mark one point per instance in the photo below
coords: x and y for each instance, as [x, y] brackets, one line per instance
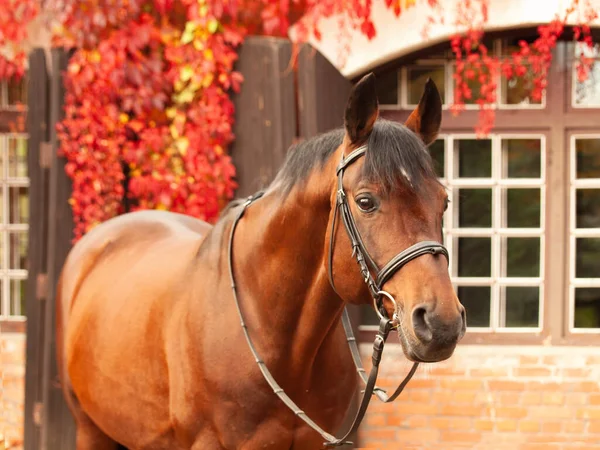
[404, 87]
[585, 234]
[14, 204]
[14, 218]
[494, 228]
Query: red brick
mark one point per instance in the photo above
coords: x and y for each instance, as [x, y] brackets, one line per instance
[550, 412]
[417, 422]
[576, 427]
[549, 438]
[419, 395]
[506, 425]
[484, 425]
[491, 372]
[375, 419]
[594, 399]
[513, 412]
[587, 386]
[532, 372]
[465, 384]
[415, 436]
[461, 424]
[422, 383]
[552, 427]
[510, 398]
[455, 436]
[553, 398]
[529, 426]
[416, 408]
[531, 398]
[447, 371]
[527, 360]
[549, 386]
[465, 396]
[577, 398]
[594, 426]
[589, 413]
[506, 385]
[576, 372]
[462, 410]
[440, 423]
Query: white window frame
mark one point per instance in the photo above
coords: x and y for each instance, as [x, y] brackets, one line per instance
[574, 232]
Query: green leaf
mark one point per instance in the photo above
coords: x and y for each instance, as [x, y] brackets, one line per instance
[213, 26]
[186, 73]
[189, 32]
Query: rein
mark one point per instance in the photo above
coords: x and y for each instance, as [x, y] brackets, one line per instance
[375, 285]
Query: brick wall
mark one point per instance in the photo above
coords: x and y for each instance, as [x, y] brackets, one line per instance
[484, 397]
[12, 389]
[490, 397]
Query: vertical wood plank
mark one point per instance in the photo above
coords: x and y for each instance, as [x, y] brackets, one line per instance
[322, 94]
[37, 125]
[265, 118]
[58, 430]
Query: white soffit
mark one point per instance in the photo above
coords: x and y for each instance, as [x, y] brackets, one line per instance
[400, 36]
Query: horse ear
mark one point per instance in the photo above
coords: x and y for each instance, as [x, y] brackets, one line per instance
[426, 119]
[362, 109]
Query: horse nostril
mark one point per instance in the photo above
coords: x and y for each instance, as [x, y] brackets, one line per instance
[420, 325]
[463, 316]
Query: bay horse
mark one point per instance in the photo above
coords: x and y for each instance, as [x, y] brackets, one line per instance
[150, 350]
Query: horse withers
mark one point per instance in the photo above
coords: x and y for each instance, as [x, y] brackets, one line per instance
[151, 353]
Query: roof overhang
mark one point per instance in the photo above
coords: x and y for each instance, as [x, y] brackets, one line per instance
[400, 36]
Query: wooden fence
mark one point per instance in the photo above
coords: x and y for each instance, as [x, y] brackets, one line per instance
[275, 107]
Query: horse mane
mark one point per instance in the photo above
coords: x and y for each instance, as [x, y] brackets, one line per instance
[395, 156]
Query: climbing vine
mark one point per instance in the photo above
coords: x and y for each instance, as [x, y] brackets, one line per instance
[148, 111]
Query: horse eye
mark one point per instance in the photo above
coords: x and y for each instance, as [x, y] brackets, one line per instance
[446, 203]
[366, 203]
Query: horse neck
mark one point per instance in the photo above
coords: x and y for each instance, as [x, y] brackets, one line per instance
[281, 273]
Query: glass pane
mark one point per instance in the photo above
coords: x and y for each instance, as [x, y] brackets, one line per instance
[518, 89]
[477, 301]
[522, 158]
[588, 158]
[17, 297]
[18, 250]
[474, 208]
[522, 306]
[474, 256]
[17, 157]
[387, 88]
[587, 92]
[587, 308]
[523, 208]
[587, 204]
[472, 76]
[17, 91]
[587, 258]
[474, 158]
[522, 257]
[18, 204]
[417, 77]
[436, 149]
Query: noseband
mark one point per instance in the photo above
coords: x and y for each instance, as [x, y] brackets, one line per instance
[375, 285]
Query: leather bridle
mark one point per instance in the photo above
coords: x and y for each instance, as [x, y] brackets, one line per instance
[375, 285]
